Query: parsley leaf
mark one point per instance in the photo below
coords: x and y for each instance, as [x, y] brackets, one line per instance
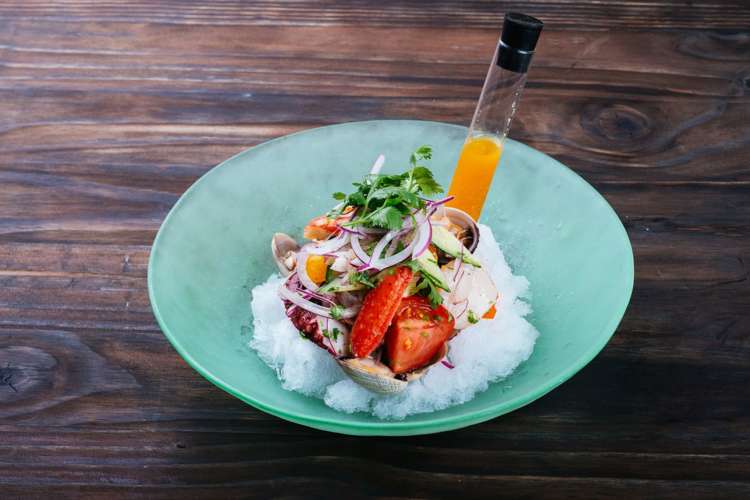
[386, 217]
[433, 291]
[336, 311]
[426, 182]
[386, 201]
[361, 278]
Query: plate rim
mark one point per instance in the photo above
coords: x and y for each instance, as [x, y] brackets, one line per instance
[389, 427]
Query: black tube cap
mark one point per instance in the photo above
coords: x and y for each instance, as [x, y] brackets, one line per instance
[518, 41]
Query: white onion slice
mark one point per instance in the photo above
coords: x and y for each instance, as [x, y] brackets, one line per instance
[397, 258]
[305, 304]
[375, 170]
[329, 246]
[306, 281]
[378, 250]
[391, 248]
[424, 238]
[359, 251]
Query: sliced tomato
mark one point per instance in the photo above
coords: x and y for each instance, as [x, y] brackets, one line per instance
[378, 310]
[417, 333]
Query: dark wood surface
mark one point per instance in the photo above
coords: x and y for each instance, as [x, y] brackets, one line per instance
[110, 110]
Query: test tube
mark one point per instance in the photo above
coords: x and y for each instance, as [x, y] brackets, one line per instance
[497, 104]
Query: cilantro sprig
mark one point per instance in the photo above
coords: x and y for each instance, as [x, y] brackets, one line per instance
[385, 201]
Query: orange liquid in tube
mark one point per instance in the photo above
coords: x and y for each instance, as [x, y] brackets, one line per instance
[473, 176]
[501, 93]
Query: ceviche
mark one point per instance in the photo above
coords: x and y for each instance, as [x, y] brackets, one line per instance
[387, 277]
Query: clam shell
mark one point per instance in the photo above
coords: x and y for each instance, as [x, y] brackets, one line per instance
[284, 248]
[378, 378]
[372, 375]
[464, 220]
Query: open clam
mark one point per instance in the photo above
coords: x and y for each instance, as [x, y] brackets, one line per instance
[284, 249]
[377, 377]
[461, 224]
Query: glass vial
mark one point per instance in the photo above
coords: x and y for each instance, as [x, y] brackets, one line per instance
[497, 104]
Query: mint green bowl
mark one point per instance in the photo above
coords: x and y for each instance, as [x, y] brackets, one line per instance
[213, 248]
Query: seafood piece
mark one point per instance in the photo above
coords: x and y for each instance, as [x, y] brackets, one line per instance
[372, 375]
[328, 334]
[472, 293]
[323, 226]
[284, 249]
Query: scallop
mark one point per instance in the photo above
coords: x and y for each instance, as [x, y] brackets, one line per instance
[472, 294]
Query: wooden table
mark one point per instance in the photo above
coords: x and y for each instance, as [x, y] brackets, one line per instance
[110, 110]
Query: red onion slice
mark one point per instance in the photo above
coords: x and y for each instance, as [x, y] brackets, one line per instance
[424, 238]
[305, 304]
[330, 245]
[397, 258]
[436, 203]
[360, 253]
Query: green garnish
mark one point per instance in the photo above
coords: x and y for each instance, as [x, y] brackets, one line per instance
[336, 311]
[362, 279]
[330, 275]
[472, 317]
[387, 200]
[432, 290]
[424, 334]
[302, 334]
[331, 334]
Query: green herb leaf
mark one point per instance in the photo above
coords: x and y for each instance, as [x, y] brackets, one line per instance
[386, 217]
[336, 311]
[362, 279]
[423, 178]
[472, 317]
[357, 199]
[330, 275]
[431, 289]
[388, 200]
[424, 152]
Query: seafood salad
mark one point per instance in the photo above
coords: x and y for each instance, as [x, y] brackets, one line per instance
[386, 278]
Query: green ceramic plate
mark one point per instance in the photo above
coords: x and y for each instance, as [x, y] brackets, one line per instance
[214, 247]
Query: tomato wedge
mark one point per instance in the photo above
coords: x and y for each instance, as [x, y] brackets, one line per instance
[378, 310]
[418, 332]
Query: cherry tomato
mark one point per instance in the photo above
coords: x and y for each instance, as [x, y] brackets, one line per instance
[418, 332]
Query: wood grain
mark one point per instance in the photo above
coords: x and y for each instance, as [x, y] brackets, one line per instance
[110, 110]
